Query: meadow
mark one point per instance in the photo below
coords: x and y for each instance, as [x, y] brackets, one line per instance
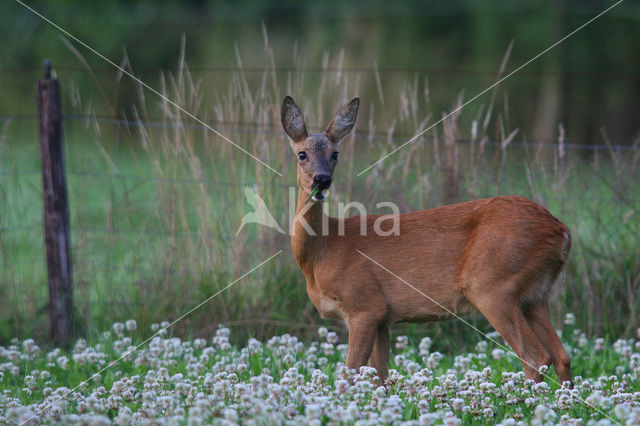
[283, 380]
[156, 200]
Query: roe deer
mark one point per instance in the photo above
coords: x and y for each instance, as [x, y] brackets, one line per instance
[499, 256]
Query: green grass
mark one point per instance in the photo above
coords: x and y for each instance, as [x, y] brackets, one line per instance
[155, 210]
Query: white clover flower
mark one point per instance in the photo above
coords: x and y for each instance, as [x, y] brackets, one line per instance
[482, 346]
[583, 341]
[450, 419]
[606, 403]
[322, 332]
[423, 404]
[341, 386]
[80, 345]
[594, 399]
[569, 319]
[393, 377]
[381, 392]
[223, 331]
[363, 386]
[20, 415]
[131, 325]
[427, 419]
[621, 411]
[313, 411]
[497, 354]
[402, 342]
[541, 388]
[352, 411]
[62, 362]
[434, 360]
[332, 338]
[124, 416]
[195, 417]
[231, 415]
[118, 329]
[29, 346]
[327, 348]
[425, 346]
[254, 345]
[541, 411]
[457, 404]
[387, 416]
[412, 367]
[550, 416]
[634, 416]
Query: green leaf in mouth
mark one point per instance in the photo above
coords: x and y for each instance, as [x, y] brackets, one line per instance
[314, 191]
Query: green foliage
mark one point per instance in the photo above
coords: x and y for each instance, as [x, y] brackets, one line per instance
[128, 373]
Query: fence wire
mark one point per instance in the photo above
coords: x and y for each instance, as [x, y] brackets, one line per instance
[269, 128]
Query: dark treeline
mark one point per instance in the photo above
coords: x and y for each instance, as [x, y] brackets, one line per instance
[590, 83]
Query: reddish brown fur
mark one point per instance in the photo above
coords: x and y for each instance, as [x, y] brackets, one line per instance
[499, 255]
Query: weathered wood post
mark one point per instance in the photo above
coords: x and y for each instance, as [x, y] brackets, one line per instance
[56, 210]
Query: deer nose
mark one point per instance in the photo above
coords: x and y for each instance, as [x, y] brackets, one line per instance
[322, 181]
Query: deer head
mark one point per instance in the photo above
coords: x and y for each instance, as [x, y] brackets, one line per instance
[317, 154]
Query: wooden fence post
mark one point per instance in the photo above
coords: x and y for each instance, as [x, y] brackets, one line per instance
[56, 210]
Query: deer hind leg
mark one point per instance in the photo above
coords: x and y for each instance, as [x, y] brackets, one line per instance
[539, 320]
[362, 335]
[379, 358]
[507, 318]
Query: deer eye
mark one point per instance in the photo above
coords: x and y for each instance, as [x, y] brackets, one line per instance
[302, 155]
[334, 155]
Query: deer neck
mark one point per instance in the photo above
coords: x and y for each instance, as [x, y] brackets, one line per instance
[307, 247]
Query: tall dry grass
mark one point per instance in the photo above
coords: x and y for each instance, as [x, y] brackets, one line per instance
[156, 203]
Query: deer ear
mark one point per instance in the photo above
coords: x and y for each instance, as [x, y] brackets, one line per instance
[292, 120]
[343, 121]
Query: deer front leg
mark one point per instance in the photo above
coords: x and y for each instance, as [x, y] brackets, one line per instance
[362, 334]
[379, 358]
